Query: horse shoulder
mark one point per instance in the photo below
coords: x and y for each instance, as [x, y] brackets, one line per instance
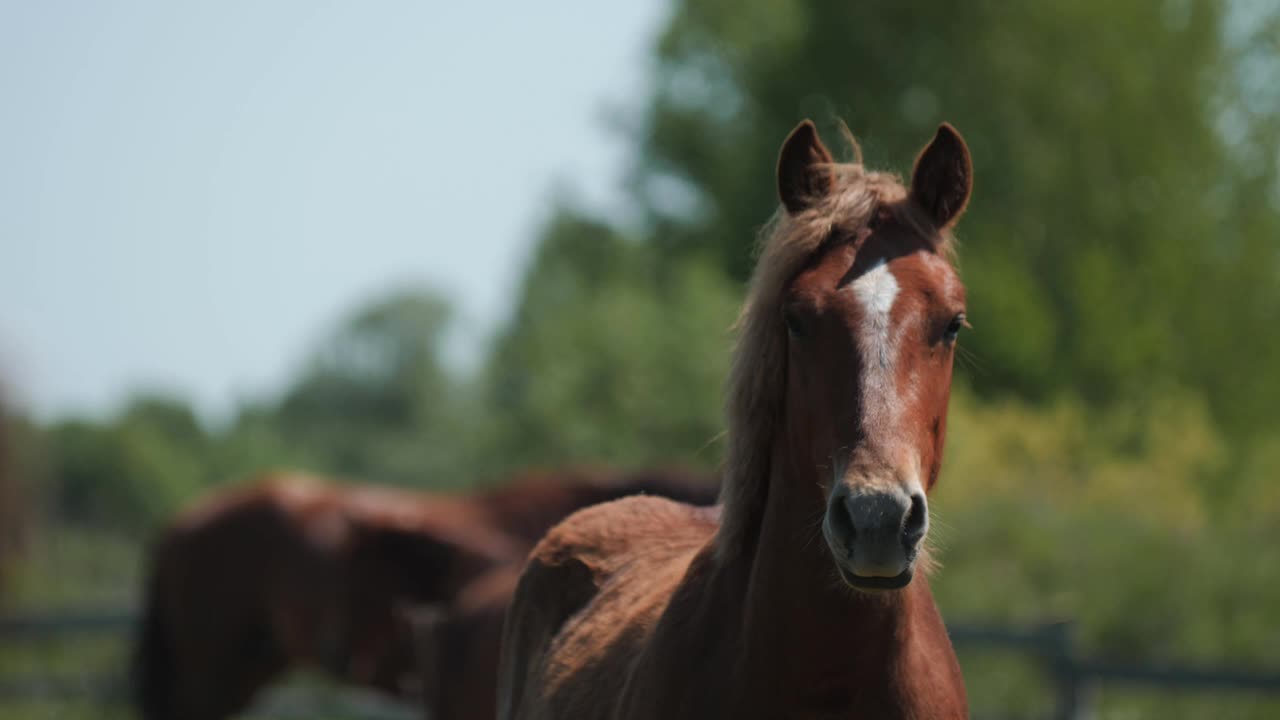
[554, 585]
[566, 572]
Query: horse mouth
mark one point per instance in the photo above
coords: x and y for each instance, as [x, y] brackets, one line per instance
[875, 584]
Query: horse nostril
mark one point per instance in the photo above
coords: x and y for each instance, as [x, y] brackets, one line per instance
[841, 519]
[917, 522]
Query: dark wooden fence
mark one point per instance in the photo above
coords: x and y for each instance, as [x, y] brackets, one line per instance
[286, 703]
[1074, 677]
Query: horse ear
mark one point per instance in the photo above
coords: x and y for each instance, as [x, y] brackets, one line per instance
[804, 168]
[943, 177]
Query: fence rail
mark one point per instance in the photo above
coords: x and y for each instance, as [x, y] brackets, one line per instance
[1074, 676]
[286, 703]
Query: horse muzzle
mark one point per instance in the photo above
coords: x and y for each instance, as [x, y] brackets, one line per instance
[875, 535]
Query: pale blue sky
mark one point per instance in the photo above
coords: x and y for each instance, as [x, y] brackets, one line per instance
[192, 193]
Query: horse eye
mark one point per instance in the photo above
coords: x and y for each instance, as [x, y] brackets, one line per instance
[953, 328]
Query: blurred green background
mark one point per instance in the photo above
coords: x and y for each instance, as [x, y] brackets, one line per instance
[1114, 442]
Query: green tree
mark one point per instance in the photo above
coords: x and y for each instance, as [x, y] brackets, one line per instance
[130, 472]
[376, 403]
[607, 360]
[1123, 231]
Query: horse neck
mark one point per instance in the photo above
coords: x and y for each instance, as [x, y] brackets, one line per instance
[809, 635]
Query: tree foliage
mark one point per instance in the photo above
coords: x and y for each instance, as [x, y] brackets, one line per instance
[1123, 230]
[604, 362]
[375, 396]
[128, 472]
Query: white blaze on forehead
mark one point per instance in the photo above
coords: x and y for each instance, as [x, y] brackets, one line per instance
[876, 289]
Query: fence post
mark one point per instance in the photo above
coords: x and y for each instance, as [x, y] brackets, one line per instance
[1071, 687]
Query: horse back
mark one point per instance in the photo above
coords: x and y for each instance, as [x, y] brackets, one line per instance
[581, 613]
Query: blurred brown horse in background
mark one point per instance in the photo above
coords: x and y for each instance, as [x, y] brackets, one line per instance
[797, 598]
[291, 571]
[458, 647]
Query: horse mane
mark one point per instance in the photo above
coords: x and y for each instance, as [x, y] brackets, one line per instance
[757, 377]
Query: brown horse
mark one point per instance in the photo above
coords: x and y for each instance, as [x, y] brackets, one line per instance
[291, 571]
[459, 646]
[797, 598]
